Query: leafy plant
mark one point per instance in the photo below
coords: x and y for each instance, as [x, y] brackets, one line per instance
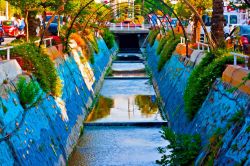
[163, 41]
[183, 148]
[94, 45]
[28, 93]
[152, 36]
[109, 72]
[238, 117]
[78, 39]
[109, 38]
[248, 129]
[88, 44]
[215, 143]
[58, 88]
[40, 64]
[234, 147]
[202, 78]
[81, 131]
[5, 109]
[5, 81]
[167, 51]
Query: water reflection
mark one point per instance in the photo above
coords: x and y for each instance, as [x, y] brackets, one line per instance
[147, 104]
[101, 110]
[122, 108]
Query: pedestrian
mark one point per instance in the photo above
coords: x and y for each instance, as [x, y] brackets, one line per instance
[21, 25]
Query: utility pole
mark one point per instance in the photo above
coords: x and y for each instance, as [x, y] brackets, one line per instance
[7, 10]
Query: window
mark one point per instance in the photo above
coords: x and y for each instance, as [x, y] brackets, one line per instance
[233, 19]
[226, 19]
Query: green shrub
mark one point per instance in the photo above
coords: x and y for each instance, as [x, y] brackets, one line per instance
[214, 146]
[28, 93]
[40, 64]
[248, 129]
[167, 51]
[109, 72]
[109, 38]
[183, 148]
[192, 85]
[95, 46]
[91, 52]
[152, 36]
[238, 117]
[202, 79]
[161, 45]
[4, 108]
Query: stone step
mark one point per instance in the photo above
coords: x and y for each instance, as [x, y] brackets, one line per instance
[126, 78]
[123, 61]
[140, 124]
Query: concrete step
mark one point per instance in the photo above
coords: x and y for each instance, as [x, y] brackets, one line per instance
[123, 61]
[126, 78]
[139, 124]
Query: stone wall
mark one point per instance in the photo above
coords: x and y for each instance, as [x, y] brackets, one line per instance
[219, 106]
[47, 133]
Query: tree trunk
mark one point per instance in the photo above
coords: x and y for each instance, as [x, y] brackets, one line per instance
[195, 19]
[191, 7]
[59, 10]
[217, 27]
[197, 27]
[33, 23]
[27, 25]
[59, 25]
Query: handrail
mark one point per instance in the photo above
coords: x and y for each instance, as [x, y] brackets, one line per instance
[201, 46]
[45, 43]
[183, 40]
[8, 51]
[242, 56]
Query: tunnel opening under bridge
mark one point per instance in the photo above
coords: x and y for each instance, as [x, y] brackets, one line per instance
[130, 43]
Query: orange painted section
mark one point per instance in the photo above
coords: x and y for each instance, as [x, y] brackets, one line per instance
[53, 53]
[60, 48]
[181, 50]
[159, 36]
[234, 75]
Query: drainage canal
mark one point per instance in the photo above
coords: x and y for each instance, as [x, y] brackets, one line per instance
[123, 128]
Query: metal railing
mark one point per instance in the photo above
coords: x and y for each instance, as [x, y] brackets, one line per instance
[45, 42]
[8, 51]
[183, 40]
[202, 46]
[242, 56]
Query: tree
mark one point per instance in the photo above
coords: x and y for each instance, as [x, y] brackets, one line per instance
[218, 21]
[200, 6]
[29, 9]
[182, 11]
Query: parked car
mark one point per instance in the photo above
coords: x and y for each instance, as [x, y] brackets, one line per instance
[53, 28]
[239, 38]
[10, 28]
[1, 34]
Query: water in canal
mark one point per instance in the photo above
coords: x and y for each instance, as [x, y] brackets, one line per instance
[122, 128]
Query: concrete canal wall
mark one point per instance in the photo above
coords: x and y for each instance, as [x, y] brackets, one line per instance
[46, 134]
[219, 106]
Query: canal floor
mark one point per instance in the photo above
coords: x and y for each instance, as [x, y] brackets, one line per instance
[127, 97]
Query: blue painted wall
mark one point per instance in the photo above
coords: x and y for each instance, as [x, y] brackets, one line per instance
[217, 109]
[43, 138]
